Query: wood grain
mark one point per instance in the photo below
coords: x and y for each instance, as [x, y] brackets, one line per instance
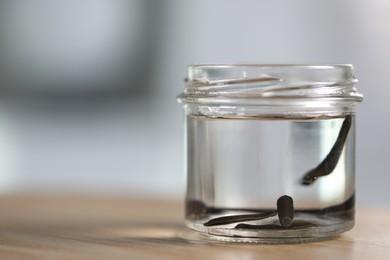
[125, 228]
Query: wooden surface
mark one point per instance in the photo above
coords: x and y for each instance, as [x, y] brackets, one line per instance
[120, 228]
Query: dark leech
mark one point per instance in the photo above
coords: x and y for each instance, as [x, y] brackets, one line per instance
[295, 225]
[329, 163]
[285, 207]
[239, 218]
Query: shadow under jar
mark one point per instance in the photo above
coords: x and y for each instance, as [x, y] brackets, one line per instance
[270, 151]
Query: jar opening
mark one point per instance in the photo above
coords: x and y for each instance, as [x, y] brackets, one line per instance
[237, 83]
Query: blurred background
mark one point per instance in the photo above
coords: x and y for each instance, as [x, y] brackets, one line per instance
[88, 87]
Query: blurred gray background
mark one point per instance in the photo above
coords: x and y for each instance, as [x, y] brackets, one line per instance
[88, 87]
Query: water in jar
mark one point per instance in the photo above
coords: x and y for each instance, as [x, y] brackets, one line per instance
[239, 167]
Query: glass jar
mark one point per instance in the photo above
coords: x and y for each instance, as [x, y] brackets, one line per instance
[270, 151]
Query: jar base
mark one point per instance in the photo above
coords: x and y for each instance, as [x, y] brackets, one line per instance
[272, 236]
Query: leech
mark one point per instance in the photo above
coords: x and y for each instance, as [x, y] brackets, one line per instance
[285, 207]
[329, 163]
[238, 218]
[296, 225]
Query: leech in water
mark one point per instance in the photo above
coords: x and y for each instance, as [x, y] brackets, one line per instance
[285, 210]
[238, 218]
[295, 225]
[329, 163]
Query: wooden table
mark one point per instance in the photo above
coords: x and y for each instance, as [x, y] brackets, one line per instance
[122, 228]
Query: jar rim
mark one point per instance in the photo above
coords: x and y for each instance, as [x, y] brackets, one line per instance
[229, 82]
[272, 65]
